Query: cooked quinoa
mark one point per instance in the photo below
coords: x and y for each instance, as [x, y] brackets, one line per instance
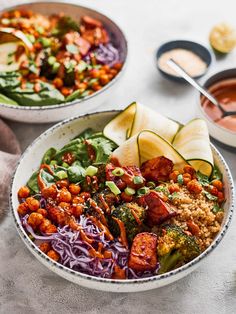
[198, 209]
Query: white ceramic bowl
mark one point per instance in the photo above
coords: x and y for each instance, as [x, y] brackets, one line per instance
[58, 136]
[59, 112]
[216, 131]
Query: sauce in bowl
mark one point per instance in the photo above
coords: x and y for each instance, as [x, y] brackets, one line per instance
[225, 92]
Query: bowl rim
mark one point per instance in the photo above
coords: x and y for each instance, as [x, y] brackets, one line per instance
[197, 43]
[55, 265]
[200, 105]
[76, 101]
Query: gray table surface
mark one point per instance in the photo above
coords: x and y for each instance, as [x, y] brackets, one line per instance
[26, 286]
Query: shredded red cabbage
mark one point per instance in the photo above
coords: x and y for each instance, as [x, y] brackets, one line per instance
[105, 54]
[74, 252]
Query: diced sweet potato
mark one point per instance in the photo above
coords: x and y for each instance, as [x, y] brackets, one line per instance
[158, 210]
[157, 169]
[143, 254]
[90, 22]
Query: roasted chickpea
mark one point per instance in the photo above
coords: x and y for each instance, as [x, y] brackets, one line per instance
[53, 255]
[66, 91]
[64, 196]
[50, 192]
[77, 210]
[213, 190]
[43, 212]
[221, 197]
[218, 184]
[126, 198]
[186, 178]
[189, 169]
[33, 204]
[104, 79]
[173, 188]
[118, 66]
[58, 82]
[51, 229]
[94, 73]
[62, 183]
[85, 195]
[174, 175]
[74, 188]
[23, 209]
[24, 192]
[45, 247]
[44, 225]
[35, 219]
[64, 206]
[78, 200]
[194, 186]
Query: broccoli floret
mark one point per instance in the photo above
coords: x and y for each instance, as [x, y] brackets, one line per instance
[132, 215]
[175, 248]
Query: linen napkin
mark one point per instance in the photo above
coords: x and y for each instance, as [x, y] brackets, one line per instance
[9, 154]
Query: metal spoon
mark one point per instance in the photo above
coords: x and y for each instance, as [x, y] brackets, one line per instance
[13, 35]
[178, 69]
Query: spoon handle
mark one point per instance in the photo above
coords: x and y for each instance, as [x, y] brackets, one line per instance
[191, 81]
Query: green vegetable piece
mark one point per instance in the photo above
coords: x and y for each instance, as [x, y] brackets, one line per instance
[129, 191]
[138, 180]
[47, 178]
[72, 49]
[31, 38]
[112, 186]
[61, 175]
[180, 179]
[142, 191]
[125, 213]
[210, 196]
[73, 96]
[5, 100]
[51, 60]
[46, 42]
[118, 172]
[173, 196]
[175, 248]
[162, 188]
[48, 95]
[9, 80]
[40, 30]
[203, 179]
[76, 173]
[216, 174]
[82, 66]
[151, 184]
[33, 182]
[53, 162]
[91, 171]
[48, 156]
[216, 209]
[65, 165]
[55, 67]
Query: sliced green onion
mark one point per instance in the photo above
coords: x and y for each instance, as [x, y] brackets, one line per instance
[46, 42]
[118, 172]
[53, 162]
[151, 185]
[51, 60]
[65, 165]
[40, 30]
[138, 180]
[112, 186]
[91, 171]
[180, 179]
[61, 174]
[55, 67]
[142, 191]
[129, 191]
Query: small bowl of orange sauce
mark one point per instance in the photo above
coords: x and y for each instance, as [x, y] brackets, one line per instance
[222, 86]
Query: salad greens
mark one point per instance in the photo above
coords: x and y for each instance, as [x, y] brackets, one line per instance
[79, 150]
